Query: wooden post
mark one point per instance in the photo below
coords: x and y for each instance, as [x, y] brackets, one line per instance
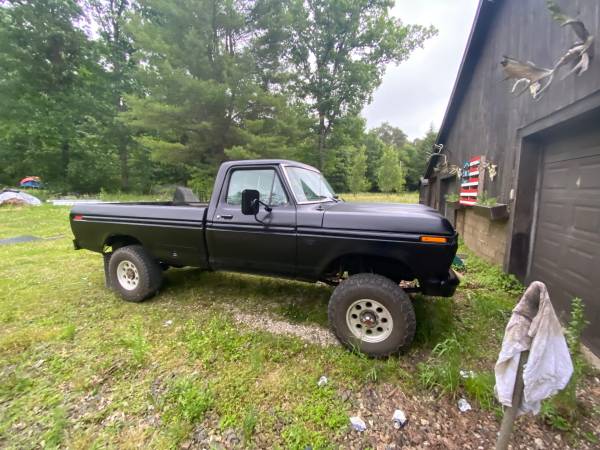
[511, 413]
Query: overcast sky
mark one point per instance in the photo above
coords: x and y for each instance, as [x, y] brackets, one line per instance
[414, 94]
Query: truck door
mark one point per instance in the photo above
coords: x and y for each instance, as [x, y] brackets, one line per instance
[265, 244]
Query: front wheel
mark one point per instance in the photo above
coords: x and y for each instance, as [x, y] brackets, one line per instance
[372, 314]
[134, 274]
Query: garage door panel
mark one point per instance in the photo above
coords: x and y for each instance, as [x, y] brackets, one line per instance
[558, 177]
[566, 250]
[581, 264]
[588, 177]
[587, 219]
[553, 214]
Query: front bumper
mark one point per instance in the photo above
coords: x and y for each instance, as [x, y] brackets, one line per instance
[441, 288]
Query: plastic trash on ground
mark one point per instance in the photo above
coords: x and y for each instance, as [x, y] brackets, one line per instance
[464, 405]
[358, 424]
[399, 419]
[322, 381]
[467, 374]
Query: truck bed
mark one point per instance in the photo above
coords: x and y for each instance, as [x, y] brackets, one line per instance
[172, 233]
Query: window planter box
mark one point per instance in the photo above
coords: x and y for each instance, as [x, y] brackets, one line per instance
[495, 212]
[455, 205]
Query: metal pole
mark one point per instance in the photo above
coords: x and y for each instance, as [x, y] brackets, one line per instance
[511, 413]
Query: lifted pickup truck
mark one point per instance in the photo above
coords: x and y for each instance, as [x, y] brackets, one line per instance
[281, 218]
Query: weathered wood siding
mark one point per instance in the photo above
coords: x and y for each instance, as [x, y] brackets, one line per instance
[488, 116]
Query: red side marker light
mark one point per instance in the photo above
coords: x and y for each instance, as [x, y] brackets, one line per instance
[78, 217]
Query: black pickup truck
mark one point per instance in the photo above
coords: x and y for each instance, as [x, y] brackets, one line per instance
[281, 218]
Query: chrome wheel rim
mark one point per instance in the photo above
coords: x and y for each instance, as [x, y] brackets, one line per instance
[369, 320]
[128, 275]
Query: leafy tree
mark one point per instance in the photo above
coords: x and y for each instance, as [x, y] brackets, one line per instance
[204, 91]
[357, 180]
[415, 157]
[337, 51]
[374, 150]
[390, 135]
[117, 51]
[390, 175]
[343, 142]
[52, 94]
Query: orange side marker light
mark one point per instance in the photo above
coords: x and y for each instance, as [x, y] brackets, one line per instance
[436, 239]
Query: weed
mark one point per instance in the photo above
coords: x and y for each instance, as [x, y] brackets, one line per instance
[295, 312]
[488, 276]
[373, 375]
[591, 437]
[297, 436]
[68, 332]
[137, 344]
[218, 338]
[14, 384]
[54, 436]
[480, 386]
[435, 320]
[249, 423]
[442, 371]
[187, 401]
[554, 416]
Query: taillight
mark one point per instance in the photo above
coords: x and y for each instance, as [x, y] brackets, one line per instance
[78, 217]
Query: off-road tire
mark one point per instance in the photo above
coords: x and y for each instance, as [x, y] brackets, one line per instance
[149, 273]
[388, 294]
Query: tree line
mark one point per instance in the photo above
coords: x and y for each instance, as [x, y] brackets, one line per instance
[130, 94]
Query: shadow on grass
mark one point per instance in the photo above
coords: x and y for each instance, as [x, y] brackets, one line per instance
[435, 320]
[296, 301]
[293, 300]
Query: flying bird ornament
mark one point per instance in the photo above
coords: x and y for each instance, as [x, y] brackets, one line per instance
[536, 79]
[578, 57]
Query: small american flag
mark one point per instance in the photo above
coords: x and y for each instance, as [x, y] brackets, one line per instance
[469, 181]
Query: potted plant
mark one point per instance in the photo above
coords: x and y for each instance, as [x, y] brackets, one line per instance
[489, 207]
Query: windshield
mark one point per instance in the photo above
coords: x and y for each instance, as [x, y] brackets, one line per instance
[308, 185]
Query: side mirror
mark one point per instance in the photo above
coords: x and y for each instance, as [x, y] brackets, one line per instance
[250, 202]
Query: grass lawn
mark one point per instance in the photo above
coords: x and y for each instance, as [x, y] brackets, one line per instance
[80, 368]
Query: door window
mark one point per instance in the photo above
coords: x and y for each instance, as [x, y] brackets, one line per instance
[265, 181]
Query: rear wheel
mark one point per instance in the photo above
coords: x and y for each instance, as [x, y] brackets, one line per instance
[134, 274]
[373, 314]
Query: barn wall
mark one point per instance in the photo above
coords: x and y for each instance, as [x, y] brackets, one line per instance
[485, 237]
[487, 117]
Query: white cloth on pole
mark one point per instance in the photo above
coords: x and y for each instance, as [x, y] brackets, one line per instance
[533, 326]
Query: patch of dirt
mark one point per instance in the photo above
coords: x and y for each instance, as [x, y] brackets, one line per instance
[438, 424]
[313, 334]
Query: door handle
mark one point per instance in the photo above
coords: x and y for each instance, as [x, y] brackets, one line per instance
[225, 216]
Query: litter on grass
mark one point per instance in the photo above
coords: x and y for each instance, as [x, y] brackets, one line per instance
[467, 374]
[464, 405]
[399, 419]
[322, 381]
[358, 424]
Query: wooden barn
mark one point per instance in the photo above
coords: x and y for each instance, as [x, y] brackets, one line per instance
[517, 165]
